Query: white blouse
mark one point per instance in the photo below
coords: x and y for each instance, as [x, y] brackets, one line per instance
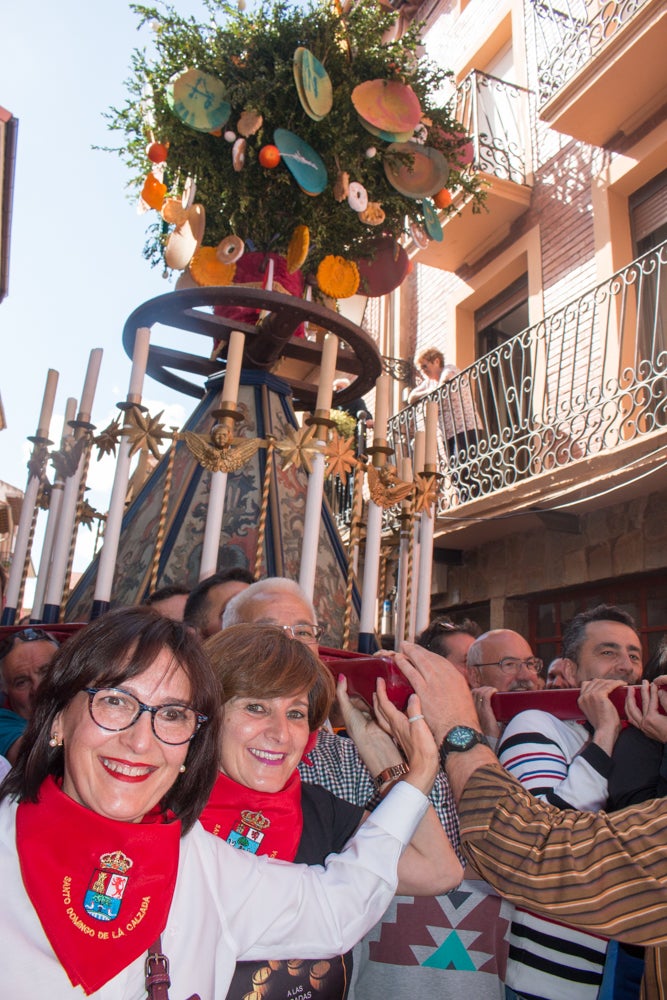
[227, 905]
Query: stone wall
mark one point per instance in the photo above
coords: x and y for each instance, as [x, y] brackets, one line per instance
[620, 540]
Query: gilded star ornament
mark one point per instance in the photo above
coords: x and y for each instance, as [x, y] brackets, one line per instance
[37, 462]
[298, 448]
[43, 496]
[385, 488]
[87, 515]
[107, 440]
[144, 431]
[340, 456]
[427, 494]
[66, 461]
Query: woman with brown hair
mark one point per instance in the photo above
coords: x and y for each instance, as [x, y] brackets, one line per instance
[102, 862]
[276, 695]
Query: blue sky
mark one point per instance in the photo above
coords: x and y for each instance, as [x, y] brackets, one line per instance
[76, 270]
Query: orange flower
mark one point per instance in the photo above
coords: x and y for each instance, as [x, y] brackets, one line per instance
[337, 277]
[206, 269]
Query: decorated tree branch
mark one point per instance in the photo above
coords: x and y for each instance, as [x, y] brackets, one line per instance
[311, 134]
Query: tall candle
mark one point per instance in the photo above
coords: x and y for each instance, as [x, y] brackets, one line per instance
[90, 384]
[230, 390]
[47, 404]
[381, 406]
[269, 276]
[431, 447]
[420, 444]
[327, 372]
[139, 362]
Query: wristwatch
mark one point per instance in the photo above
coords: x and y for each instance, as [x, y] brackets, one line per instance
[458, 740]
[390, 774]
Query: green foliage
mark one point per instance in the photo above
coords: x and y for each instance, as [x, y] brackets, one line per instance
[252, 53]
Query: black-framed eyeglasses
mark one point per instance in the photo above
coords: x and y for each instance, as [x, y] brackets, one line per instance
[512, 664]
[306, 633]
[26, 635]
[114, 709]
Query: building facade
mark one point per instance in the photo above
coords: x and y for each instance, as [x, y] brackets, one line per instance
[553, 306]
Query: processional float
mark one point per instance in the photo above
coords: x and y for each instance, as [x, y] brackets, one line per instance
[241, 483]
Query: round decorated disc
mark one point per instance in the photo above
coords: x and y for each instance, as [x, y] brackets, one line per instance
[387, 104]
[422, 175]
[386, 136]
[431, 221]
[385, 270]
[306, 166]
[316, 86]
[198, 99]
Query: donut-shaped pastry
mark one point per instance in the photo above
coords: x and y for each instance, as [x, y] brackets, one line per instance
[373, 214]
[238, 154]
[229, 250]
[357, 197]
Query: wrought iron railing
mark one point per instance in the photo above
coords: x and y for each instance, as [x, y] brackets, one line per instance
[496, 115]
[570, 32]
[589, 377]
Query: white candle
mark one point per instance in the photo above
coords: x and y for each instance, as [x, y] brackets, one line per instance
[311, 527]
[90, 384]
[369, 591]
[47, 404]
[431, 446]
[139, 362]
[269, 276]
[381, 406]
[420, 444]
[327, 372]
[215, 511]
[230, 390]
[423, 608]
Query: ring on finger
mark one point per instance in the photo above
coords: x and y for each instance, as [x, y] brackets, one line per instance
[415, 718]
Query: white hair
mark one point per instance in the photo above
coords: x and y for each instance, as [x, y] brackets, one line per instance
[237, 610]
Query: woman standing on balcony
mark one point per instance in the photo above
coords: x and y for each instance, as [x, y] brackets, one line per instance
[459, 419]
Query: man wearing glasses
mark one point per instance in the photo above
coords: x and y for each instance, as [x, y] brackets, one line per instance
[567, 765]
[24, 657]
[500, 660]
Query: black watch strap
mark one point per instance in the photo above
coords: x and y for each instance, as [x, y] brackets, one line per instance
[459, 739]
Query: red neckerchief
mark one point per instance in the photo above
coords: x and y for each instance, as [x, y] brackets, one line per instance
[102, 889]
[260, 822]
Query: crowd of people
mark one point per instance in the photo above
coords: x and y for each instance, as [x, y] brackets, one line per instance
[438, 849]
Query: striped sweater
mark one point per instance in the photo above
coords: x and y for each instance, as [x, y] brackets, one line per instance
[556, 762]
[602, 873]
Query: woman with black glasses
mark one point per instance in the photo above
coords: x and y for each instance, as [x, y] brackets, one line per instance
[103, 866]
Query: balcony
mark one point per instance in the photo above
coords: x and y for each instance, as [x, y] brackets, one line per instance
[601, 65]
[569, 415]
[496, 116]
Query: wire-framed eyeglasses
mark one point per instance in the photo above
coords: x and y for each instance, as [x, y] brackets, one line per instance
[512, 664]
[114, 709]
[305, 633]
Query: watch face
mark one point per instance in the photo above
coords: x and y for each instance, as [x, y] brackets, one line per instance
[461, 737]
